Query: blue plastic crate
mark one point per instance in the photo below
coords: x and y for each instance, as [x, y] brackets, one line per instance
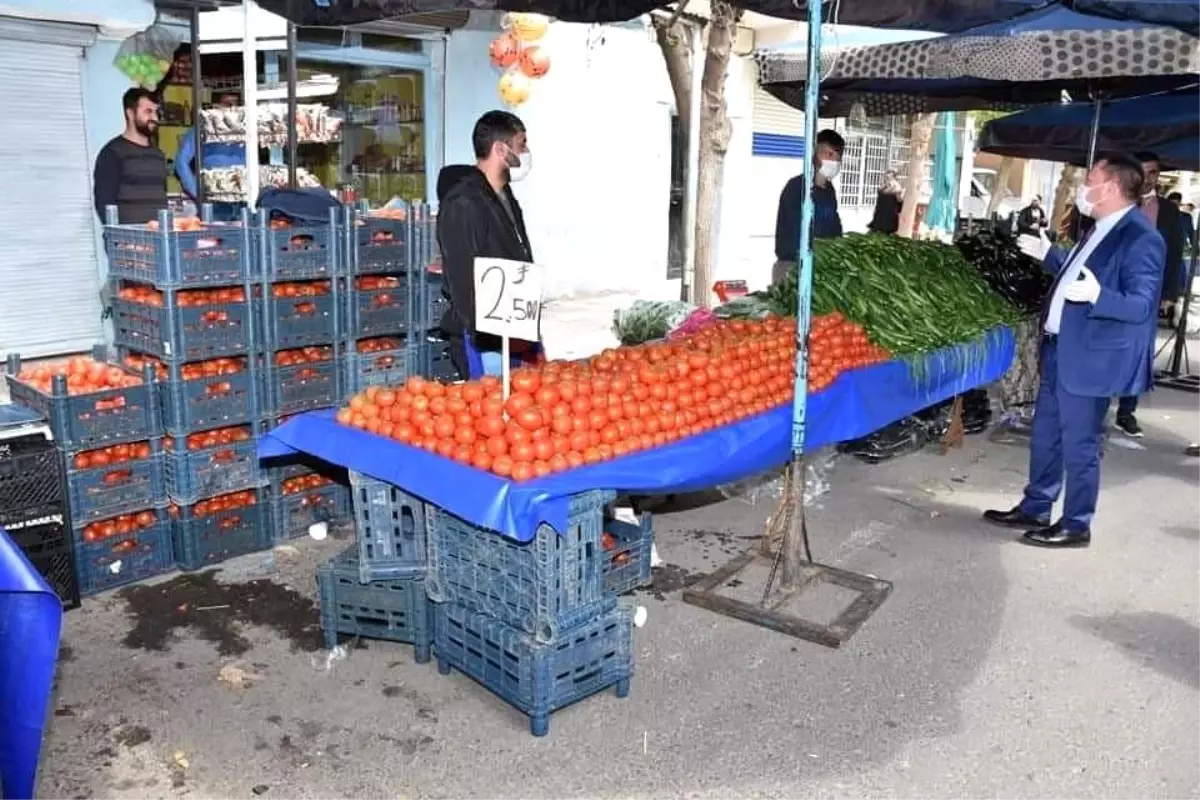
[215, 256]
[208, 402]
[101, 492]
[429, 304]
[543, 587]
[627, 564]
[184, 333]
[125, 558]
[86, 421]
[394, 610]
[377, 244]
[303, 387]
[211, 469]
[202, 541]
[299, 251]
[390, 526]
[301, 321]
[292, 514]
[378, 311]
[390, 367]
[537, 678]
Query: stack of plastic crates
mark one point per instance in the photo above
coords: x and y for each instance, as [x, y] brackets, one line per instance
[430, 301]
[107, 476]
[185, 302]
[301, 266]
[376, 588]
[537, 623]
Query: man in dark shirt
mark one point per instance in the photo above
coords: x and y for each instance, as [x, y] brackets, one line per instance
[1032, 218]
[826, 222]
[131, 173]
[479, 217]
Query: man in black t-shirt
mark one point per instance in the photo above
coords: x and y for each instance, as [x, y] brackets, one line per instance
[131, 173]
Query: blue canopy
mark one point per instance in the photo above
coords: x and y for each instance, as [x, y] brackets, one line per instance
[1167, 125]
[1007, 65]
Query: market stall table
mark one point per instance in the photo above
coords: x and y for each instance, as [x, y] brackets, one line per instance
[856, 404]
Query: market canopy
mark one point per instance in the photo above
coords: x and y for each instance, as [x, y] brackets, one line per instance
[1005, 65]
[1167, 125]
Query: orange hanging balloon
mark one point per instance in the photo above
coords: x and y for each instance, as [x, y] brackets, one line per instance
[504, 51]
[534, 61]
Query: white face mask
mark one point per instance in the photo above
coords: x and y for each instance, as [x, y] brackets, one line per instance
[829, 169]
[521, 170]
[1082, 202]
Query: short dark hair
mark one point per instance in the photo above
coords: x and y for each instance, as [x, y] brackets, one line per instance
[1175, 197]
[832, 138]
[1145, 156]
[1128, 174]
[131, 98]
[492, 127]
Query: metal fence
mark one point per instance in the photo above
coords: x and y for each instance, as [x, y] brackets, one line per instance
[872, 148]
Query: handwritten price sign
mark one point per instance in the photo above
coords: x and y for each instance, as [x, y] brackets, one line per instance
[508, 298]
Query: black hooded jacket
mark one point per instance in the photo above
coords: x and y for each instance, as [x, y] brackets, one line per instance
[472, 223]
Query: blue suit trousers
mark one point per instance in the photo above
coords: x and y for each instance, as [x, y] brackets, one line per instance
[1067, 431]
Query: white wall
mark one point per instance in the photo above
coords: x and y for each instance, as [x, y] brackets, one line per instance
[599, 129]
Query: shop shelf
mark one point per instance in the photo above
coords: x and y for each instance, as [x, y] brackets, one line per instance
[390, 367]
[298, 251]
[193, 475]
[202, 541]
[31, 481]
[293, 514]
[301, 321]
[383, 311]
[84, 421]
[107, 491]
[537, 678]
[125, 558]
[543, 586]
[627, 561]
[184, 333]
[395, 610]
[219, 254]
[47, 544]
[302, 387]
[390, 526]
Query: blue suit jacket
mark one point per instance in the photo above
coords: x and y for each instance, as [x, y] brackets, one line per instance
[1106, 349]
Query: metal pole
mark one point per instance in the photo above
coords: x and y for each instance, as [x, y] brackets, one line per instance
[794, 545]
[292, 78]
[250, 100]
[1095, 132]
[197, 99]
[1176, 367]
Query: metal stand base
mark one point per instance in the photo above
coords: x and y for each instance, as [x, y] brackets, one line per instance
[871, 594]
[1184, 383]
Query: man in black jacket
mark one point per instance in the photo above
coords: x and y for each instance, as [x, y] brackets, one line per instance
[479, 217]
[1032, 218]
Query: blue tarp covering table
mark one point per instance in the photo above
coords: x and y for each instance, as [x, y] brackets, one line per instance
[857, 403]
[30, 623]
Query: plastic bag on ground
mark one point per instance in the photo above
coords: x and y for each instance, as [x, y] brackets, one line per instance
[768, 487]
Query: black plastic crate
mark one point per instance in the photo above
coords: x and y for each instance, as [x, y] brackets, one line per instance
[217, 254]
[95, 419]
[378, 305]
[204, 539]
[296, 387]
[125, 557]
[390, 527]
[175, 325]
[394, 610]
[435, 360]
[384, 367]
[31, 481]
[300, 320]
[429, 304]
[47, 544]
[223, 460]
[102, 484]
[537, 678]
[296, 507]
[297, 251]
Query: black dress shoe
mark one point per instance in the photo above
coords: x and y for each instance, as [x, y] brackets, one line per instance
[1016, 518]
[1056, 536]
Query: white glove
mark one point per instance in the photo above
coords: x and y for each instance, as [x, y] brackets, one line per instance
[1086, 289]
[1035, 247]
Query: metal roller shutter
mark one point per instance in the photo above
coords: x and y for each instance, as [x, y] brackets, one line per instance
[49, 280]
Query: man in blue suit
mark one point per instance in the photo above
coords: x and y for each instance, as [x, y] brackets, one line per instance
[1099, 324]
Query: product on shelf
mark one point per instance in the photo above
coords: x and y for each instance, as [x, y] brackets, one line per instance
[228, 184]
[314, 123]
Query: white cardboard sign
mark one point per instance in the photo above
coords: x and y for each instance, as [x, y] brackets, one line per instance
[508, 298]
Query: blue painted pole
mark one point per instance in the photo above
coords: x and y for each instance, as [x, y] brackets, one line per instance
[812, 88]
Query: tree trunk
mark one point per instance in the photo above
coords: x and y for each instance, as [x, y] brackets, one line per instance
[1064, 198]
[918, 154]
[676, 45]
[1003, 175]
[715, 132]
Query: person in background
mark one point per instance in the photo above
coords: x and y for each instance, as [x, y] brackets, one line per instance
[826, 222]
[217, 155]
[1187, 225]
[1032, 218]
[1164, 216]
[1099, 327]
[888, 203]
[130, 172]
[479, 217]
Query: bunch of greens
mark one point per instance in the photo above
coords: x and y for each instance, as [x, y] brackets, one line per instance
[648, 320]
[912, 296]
[1013, 275]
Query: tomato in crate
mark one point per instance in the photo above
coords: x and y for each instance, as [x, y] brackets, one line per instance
[209, 463]
[124, 549]
[114, 480]
[219, 528]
